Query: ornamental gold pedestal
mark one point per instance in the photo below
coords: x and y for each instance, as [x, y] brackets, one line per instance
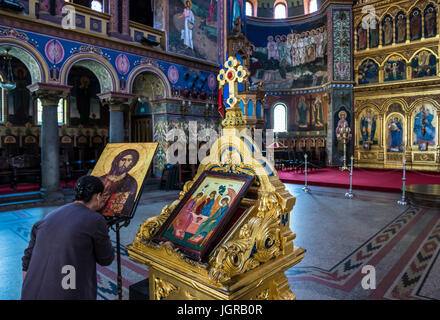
[248, 261]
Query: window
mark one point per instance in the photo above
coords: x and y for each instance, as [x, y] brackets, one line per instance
[280, 118]
[60, 111]
[249, 9]
[280, 11]
[96, 6]
[313, 6]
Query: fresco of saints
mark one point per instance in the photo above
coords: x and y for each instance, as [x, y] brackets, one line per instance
[303, 111]
[416, 25]
[211, 223]
[282, 48]
[430, 18]
[395, 137]
[401, 28]
[187, 31]
[317, 113]
[256, 63]
[368, 126]
[311, 47]
[120, 187]
[423, 127]
[294, 56]
[289, 43]
[272, 50]
[388, 31]
[319, 40]
[301, 50]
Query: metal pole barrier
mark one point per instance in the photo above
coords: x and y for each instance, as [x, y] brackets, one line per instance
[306, 188]
[118, 256]
[402, 201]
[350, 194]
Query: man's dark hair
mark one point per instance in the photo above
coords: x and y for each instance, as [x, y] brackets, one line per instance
[86, 187]
[115, 163]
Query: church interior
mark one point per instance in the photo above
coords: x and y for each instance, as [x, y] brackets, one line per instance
[340, 104]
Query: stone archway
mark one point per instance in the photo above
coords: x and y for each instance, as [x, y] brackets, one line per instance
[33, 61]
[149, 85]
[148, 88]
[108, 79]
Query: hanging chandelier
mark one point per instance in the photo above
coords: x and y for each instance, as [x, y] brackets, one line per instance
[9, 82]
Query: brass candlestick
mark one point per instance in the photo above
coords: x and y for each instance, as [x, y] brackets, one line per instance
[343, 135]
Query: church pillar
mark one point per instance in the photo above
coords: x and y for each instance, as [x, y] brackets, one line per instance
[117, 103]
[340, 66]
[49, 95]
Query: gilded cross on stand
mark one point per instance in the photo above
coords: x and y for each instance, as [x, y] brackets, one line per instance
[233, 74]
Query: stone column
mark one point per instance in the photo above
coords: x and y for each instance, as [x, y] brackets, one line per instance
[49, 95]
[117, 104]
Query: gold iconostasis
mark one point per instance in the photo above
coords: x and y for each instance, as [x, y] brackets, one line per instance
[397, 84]
[386, 133]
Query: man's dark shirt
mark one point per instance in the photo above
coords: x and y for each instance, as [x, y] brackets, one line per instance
[72, 235]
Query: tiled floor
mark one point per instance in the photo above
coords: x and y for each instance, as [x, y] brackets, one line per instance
[340, 235]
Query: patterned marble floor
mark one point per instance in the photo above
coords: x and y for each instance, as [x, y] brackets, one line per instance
[341, 237]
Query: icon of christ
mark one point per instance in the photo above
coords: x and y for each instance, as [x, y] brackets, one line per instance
[120, 188]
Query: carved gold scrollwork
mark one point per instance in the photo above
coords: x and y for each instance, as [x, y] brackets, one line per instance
[162, 289]
[263, 295]
[151, 226]
[424, 157]
[259, 241]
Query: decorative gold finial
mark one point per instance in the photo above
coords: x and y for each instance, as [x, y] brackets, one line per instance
[233, 73]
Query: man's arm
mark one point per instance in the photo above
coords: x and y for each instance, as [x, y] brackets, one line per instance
[104, 253]
[28, 252]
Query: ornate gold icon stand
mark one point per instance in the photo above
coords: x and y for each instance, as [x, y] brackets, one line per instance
[250, 261]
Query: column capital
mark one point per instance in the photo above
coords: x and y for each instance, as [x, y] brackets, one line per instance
[116, 101]
[49, 93]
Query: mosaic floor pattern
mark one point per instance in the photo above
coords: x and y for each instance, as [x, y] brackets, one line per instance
[341, 237]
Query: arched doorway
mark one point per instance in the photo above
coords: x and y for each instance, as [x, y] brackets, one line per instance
[84, 104]
[88, 118]
[148, 88]
[18, 103]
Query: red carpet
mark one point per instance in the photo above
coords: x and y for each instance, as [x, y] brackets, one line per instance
[363, 179]
[30, 187]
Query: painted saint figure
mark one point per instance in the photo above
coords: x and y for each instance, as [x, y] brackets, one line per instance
[211, 223]
[187, 32]
[368, 126]
[395, 135]
[388, 31]
[185, 217]
[272, 50]
[362, 37]
[317, 113]
[303, 111]
[401, 28]
[120, 188]
[416, 25]
[430, 18]
[207, 205]
[374, 37]
[342, 123]
[423, 127]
